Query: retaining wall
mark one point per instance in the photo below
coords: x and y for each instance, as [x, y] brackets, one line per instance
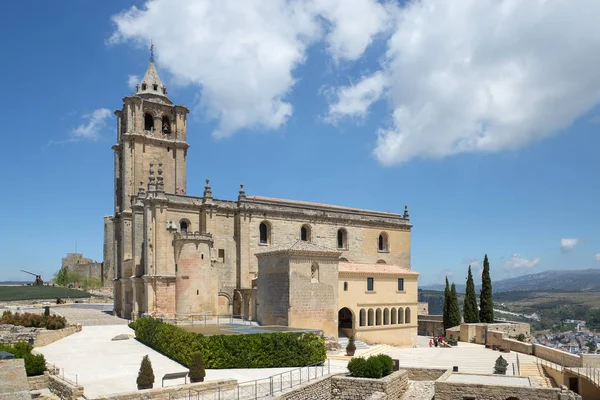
[10, 334]
[165, 393]
[38, 382]
[556, 356]
[317, 390]
[63, 388]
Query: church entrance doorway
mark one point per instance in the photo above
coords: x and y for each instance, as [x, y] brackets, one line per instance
[345, 319]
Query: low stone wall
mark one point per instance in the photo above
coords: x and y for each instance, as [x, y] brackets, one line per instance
[344, 387]
[424, 374]
[319, 389]
[10, 334]
[64, 388]
[44, 336]
[13, 380]
[38, 382]
[453, 333]
[495, 338]
[165, 393]
[458, 391]
[430, 325]
[556, 356]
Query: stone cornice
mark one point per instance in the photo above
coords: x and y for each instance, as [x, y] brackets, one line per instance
[144, 138]
[384, 274]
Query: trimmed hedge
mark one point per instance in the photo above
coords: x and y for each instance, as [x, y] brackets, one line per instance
[256, 350]
[373, 367]
[34, 364]
[29, 320]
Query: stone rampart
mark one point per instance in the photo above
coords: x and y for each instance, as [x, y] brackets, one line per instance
[10, 334]
[64, 388]
[344, 387]
[38, 382]
[430, 325]
[170, 392]
[499, 339]
[556, 356]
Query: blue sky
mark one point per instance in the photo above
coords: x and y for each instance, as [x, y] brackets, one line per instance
[492, 143]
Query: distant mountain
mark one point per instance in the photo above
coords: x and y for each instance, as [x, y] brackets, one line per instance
[583, 280]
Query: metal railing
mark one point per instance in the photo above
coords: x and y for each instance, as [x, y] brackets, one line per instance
[72, 379]
[590, 372]
[258, 388]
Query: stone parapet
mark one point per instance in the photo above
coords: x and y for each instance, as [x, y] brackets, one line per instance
[345, 387]
[191, 390]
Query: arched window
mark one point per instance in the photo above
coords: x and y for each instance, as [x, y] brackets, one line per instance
[407, 316]
[342, 239]
[362, 317]
[370, 315]
[386, 316]
[401, 315]
[155, 87]
[305, 233]
[345, 286]
[184, 226]
[144, 86]
[380, 261]
[314, 272]
[378, 317]
[393, 315]
[382, 242]
[166, 125]
[343, 259]
[265, 235]
[148, 122]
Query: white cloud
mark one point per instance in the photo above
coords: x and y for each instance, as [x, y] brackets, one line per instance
[516, 262]
[96, 121]
[598, 256]
[133, 81]
[486, 75]
[242, 54]
[355, 100]
[567, 245]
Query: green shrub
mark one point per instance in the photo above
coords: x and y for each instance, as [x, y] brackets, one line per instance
[197, 372]
[351, 346]
[373, 367]
[30, 320]
[34, 364]
[500, 366]
[146, 374]
[258, 350]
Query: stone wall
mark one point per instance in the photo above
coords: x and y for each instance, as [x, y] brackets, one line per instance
[38, 382]
[10, 334]
[319, 389]
[423, 309]
[13, 380]
[499, 339]
[556, 356]
[592, 360]
[344, 387]
[445, 390]
[424, 374]
[166, 393]
[64, 388]
[430, 324]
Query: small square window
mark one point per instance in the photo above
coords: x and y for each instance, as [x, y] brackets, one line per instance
[370, 284]
[400, 284]
[221, 257]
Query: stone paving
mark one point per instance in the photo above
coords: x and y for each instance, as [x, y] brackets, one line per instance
[419, 390]
[87, 317]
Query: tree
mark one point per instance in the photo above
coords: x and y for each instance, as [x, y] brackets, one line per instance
[197, 372]
[486, 303]
[454, 308]
[145, 379]
[470, 311]
[446, 318]
[500, 366]
[592, 346]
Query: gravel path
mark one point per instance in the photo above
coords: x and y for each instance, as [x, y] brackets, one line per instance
[419, 390]
[88, 317]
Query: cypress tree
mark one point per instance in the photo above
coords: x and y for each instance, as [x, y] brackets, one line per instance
[486, 303]
[454, 309]
[470, 311]
[446, 318]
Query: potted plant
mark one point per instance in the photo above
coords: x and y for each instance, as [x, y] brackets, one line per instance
[500, 366]
[351, 347]
[197, 372]
[145, 379]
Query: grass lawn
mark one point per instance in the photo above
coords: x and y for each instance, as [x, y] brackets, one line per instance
[38, 292]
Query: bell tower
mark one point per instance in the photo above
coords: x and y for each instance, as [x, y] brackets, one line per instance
[151, 130]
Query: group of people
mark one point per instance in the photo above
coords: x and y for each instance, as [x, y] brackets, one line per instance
[436, 341]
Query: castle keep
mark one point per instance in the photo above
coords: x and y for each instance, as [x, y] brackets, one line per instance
[276, 261]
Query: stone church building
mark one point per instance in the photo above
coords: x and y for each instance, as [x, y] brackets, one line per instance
[279, 262]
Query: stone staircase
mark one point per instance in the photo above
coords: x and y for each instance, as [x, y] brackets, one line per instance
[343, 341]
[537, 371]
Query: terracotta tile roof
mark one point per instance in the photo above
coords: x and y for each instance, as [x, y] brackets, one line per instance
[380, 269]
[320, 205]
[298, 247]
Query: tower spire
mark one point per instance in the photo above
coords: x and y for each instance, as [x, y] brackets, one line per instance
[151, 51]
